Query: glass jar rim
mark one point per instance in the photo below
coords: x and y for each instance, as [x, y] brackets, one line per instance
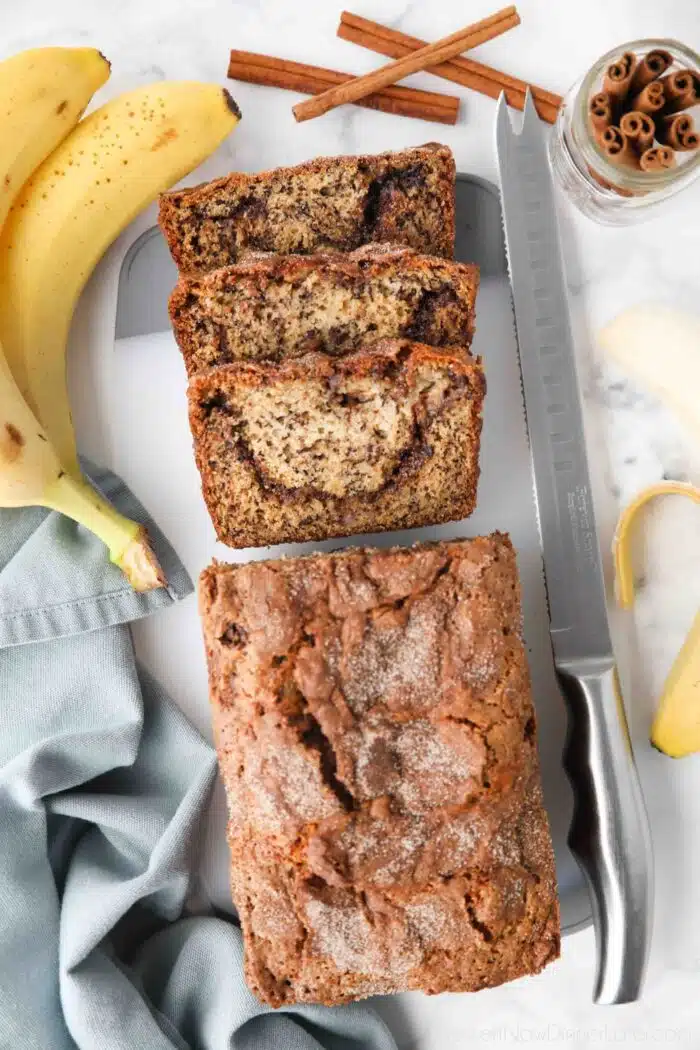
[626, 178]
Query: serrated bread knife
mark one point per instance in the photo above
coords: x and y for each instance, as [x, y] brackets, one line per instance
[609, 834]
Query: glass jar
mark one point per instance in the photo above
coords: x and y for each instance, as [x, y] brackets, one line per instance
[604, 191]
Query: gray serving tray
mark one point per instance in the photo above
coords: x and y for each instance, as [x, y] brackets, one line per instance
[151, 449]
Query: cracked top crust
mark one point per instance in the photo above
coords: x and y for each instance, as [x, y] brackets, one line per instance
[376, 737]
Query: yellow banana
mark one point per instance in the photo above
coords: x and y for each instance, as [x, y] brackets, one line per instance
[31, 475]
[43, 93]
[108, 169]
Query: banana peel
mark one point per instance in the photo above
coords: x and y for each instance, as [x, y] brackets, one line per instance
[676, 727]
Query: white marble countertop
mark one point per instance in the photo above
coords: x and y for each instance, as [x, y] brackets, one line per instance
[633, 441]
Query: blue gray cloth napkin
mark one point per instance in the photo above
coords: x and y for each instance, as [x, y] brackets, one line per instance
[103, 787]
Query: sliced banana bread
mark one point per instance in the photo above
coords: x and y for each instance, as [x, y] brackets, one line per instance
[386, 438]
[333, 203]
[276, 306]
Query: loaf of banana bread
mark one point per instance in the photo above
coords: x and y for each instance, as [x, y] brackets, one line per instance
[376, 738]
[386, 438]
[276, 306]
[335, 203]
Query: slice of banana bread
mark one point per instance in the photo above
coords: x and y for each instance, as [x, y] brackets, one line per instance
[277, 306]
[376, 737]
[333, 203]
[386, 438]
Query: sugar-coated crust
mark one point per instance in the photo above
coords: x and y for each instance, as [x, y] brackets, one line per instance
[406, 197]
[273, 306]
[376, 738]
[265, 482]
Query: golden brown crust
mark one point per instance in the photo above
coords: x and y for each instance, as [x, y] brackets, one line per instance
[329, 203]
[273, 307]
[376, 737]
[387, 438]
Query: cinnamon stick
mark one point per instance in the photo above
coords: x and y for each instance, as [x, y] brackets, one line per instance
[650, 100]
[690, 140]
[658, 158]
[618, 76]
[638, 129]
[671, 129]
[460, 70]
[618, 148]
[654, 64]
[600, 112]
[609, 185]
[255, 68]
[432, 55]
[681, 90]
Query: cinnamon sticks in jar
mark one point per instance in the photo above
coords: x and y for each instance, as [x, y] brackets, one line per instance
[638, 116]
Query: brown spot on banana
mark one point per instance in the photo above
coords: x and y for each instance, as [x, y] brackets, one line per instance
[61, 106]
[11, 443]
[164, 138]
[231, 103]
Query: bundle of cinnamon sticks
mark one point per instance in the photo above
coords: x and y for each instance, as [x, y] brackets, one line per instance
[379, 90]
[638, 117]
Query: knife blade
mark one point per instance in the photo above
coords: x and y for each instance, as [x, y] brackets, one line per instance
[609, 834]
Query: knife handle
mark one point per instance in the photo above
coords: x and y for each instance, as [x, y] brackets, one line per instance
[609, 833]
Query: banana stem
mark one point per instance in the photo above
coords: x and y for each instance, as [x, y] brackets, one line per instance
[126, 540]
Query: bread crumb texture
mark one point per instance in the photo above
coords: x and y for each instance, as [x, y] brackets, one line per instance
[386, 438]
[273, 308]
[326, 204]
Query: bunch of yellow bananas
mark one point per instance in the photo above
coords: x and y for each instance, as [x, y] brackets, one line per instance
[67, 189]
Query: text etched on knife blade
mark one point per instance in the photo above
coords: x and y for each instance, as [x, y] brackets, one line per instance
[583, 535]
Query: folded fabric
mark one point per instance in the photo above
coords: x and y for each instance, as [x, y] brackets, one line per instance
[103, 789]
